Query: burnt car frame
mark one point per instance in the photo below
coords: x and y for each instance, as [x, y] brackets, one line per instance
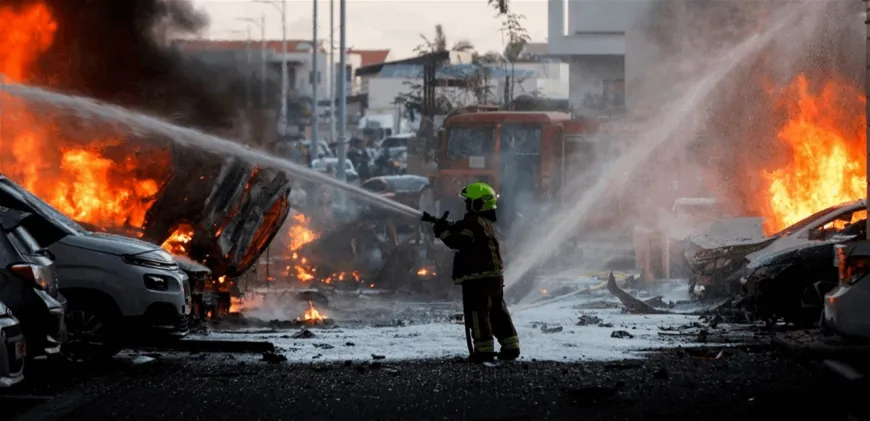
[716, 267]
[235, 209]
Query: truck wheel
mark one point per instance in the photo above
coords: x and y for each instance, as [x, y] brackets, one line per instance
[91, 333]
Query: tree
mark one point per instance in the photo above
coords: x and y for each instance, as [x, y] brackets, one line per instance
[438, 43]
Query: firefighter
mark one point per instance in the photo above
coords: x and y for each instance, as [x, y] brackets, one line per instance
[478, 268]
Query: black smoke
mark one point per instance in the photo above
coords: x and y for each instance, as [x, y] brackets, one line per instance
[119, 51]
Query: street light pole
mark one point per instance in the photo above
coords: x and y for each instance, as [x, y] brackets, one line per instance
[331, 70]
[315, 110]
[261, 23]
[342, 88]
[282, 8]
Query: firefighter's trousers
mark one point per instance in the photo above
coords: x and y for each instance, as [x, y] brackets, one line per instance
[487, 315]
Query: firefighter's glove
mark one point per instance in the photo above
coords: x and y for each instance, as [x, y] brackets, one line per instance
[441, 225]
[427, 217]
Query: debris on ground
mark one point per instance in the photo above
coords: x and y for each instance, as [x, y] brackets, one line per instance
[632, 305]
[550, 329]
[621, 334]
[588, 320]
[303, 334]
[273, 358]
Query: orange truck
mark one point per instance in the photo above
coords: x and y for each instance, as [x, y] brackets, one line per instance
[526, 156]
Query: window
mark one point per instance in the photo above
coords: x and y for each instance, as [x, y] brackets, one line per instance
[521, 139]
[463, 142]
[376, 185]
[848, 223]
[614, 93]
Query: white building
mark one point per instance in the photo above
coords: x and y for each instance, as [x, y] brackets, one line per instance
[548, 79]
[591, 36]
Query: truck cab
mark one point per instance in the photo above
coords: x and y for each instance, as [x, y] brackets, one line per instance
[525, 156]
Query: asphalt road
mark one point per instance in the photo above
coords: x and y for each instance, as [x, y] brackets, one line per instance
[673, 385]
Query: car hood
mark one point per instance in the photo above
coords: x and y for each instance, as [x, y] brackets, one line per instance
[108, 243]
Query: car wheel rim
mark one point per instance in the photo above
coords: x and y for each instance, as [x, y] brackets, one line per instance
[86, 335]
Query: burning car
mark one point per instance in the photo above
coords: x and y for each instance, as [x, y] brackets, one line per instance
[713, 262]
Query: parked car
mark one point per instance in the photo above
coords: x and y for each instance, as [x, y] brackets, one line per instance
[324, 163]
[713, 262]
[400, 188]
[13, 349]
[115, 286]
[28, 285]
[847, 305]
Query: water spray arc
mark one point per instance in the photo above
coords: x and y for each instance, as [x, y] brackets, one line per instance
[682, 117]
[92, 109]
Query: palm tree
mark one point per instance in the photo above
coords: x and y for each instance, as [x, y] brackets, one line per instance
[439, 43]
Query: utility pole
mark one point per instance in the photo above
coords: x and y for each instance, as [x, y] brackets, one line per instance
[261, 23]
[332, 70]
[342, 89]
[315, 110]
[282, 7]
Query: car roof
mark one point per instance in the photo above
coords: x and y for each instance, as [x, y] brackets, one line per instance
[11, 218]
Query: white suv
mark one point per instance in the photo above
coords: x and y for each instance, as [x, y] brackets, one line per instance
[117, 287]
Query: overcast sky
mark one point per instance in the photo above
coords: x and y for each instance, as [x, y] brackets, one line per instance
[379, 24]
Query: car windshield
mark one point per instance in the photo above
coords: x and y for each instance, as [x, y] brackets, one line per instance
[45, 210]
[408, 183]
[463, 142]
[797, 226]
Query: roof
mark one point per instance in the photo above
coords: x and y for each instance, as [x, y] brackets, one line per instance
[455, 71]
[276, 46]
[373, 69]
[495, 117]
[370, 57]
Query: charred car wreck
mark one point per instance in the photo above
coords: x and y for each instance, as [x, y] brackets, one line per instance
[781, 277]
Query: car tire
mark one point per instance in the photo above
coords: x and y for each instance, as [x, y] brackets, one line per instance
[91, 331]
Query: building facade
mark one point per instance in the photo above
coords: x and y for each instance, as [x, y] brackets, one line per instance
[592, 36]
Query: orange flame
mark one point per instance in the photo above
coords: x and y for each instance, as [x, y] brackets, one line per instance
[312, 314]
[299, 232]
[827, 162]
[177, 242]
[79, 181]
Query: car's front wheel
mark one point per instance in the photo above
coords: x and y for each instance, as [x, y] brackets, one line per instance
[91, 333]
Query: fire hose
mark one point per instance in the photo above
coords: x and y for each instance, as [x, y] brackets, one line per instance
[468, 330]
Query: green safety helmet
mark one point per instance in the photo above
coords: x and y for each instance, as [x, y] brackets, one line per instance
[481, 195]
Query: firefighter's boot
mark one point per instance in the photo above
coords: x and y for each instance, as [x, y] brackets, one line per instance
[482, 357]
[509, 354]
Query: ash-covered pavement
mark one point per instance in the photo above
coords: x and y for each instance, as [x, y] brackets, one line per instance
[586, 325]
[688, 384]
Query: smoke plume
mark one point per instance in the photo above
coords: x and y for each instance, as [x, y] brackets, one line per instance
[119, 51]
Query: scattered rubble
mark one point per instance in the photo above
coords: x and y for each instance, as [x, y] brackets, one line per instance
[273, 358]
[303, 334]
[588, 320]
[550, 329]
[621, 334]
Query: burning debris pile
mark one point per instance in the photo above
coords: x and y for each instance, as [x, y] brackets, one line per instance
[220, 212]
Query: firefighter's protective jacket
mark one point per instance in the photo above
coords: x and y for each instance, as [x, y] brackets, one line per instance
[477, 249]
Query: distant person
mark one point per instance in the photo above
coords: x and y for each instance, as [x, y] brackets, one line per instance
[478, 268]
[359, 157]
